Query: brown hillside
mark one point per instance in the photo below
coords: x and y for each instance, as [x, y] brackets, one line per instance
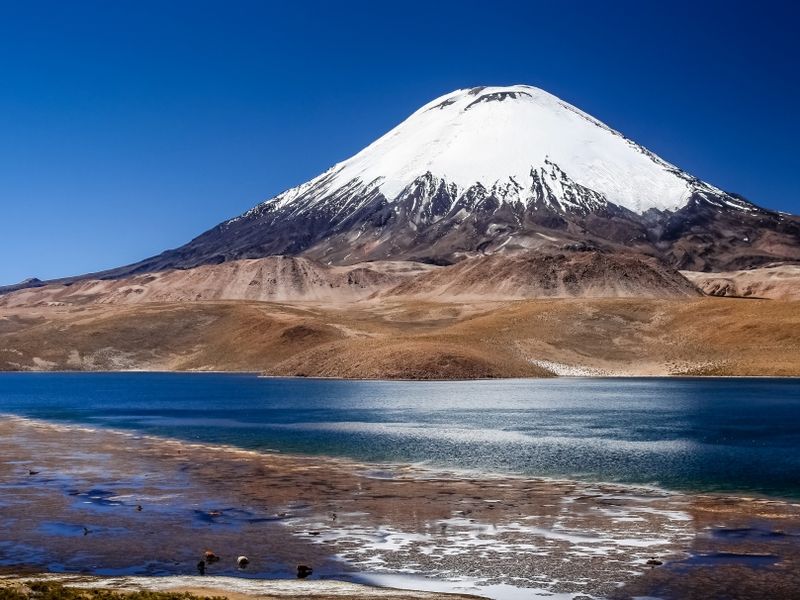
[413, 339]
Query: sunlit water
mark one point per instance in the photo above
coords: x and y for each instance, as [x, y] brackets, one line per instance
[736, 435]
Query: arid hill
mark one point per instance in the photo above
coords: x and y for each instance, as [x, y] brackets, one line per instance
[780, 282]
[509, 276]
[275, 279]
[556, 274]
[573, 311]
[413, 339]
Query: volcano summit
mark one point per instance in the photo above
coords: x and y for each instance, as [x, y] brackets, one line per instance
[491, 169]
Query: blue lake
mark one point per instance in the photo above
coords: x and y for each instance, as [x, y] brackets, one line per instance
[731, 435]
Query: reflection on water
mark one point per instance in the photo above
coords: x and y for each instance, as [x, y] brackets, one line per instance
[148, 506]
[81, 500]
[694, 434]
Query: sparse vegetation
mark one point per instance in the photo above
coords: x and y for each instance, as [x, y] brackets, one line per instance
[47, 590]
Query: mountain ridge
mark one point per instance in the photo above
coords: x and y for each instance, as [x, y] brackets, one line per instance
[488, 170]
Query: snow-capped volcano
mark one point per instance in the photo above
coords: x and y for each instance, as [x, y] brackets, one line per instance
[501, 138]
[498, 169]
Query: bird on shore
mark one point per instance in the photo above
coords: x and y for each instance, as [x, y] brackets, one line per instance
[304, 571]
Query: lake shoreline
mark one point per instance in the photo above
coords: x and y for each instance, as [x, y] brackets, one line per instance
[696, 435]
[229, 587]
[415, 470]
[261, 375]
[344, 515]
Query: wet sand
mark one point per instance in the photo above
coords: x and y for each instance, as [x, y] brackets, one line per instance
[70, 498]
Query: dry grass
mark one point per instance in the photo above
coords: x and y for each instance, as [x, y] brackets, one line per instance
[44, 590]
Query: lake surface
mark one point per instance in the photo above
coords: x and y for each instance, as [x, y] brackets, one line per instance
[732, 435]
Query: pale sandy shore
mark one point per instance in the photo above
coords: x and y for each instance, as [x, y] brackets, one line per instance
[232, 588]
[138, 510]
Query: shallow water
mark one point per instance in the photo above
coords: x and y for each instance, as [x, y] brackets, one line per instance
[75, 499]
[733, 435]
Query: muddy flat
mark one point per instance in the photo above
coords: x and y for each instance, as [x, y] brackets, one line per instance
[118, 504]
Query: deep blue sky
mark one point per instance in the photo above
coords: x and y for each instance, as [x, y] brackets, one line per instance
[128, 127]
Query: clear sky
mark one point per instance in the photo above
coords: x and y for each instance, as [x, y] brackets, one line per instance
[129, 127]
